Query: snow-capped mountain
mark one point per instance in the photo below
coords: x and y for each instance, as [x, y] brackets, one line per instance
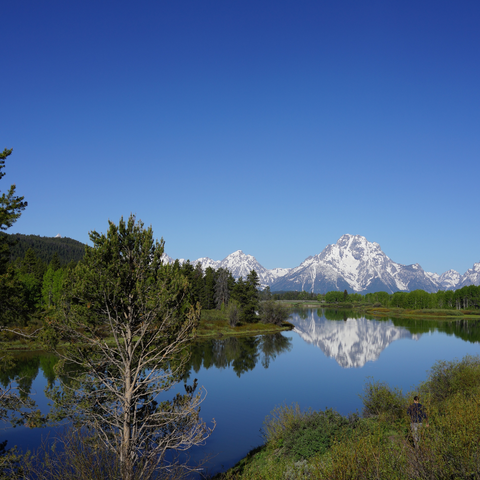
[353, 264]
[353, 342]
[167, 259]
[470, 277]
[449, 280]
[206, 262]
[240, 265]
[357, 265]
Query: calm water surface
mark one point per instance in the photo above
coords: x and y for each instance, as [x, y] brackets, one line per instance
[323, 362]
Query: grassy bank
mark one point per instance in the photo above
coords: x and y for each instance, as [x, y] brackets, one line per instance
[425, 313]
[214, 323]
[378, 445]
[379, 311]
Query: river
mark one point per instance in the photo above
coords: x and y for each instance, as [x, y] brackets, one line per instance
[324, 362]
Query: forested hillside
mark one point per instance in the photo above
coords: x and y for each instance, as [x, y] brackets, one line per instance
[67, 249]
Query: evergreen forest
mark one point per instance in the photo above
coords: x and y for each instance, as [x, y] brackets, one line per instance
[67, 249]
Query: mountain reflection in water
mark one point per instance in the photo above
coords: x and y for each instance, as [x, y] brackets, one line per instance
[287, 370]
[352, 342]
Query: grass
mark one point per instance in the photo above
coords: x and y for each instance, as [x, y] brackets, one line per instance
[379, 311]
[380, 445]
[427, 313]
[214, 323]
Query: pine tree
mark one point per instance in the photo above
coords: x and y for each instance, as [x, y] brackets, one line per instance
[12, 305]
[222, 290]
[55, 262]
[209, 289]
[251, 309]
[11, 206]
[123, 289]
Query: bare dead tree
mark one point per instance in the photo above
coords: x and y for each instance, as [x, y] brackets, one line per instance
[129, 324]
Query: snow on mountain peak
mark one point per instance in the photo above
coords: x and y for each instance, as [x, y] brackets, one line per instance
[240, 265]
[352, 263]
[470, 277]
[355, 264]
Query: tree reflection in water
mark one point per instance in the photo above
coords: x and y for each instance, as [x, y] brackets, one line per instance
[240, 353]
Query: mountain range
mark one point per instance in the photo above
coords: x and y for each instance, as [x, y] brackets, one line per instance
[352, 263]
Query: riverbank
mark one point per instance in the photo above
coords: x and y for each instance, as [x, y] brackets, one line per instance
[214, 323]
[380, 444]
[379, 311]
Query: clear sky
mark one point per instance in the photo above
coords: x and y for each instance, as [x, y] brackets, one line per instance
[273, 127]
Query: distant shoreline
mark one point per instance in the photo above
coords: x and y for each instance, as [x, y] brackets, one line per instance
[426, 314]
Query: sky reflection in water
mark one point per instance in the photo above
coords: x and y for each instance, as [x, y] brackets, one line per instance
[324, 362]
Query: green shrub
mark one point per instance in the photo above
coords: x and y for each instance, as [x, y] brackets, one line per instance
[313, 433]
[233, 313]
[274, 312]
[454, 435]
[366, 454]
[380, 400]
[448, 378]
[303, 434]
[280, 421]
[299, 470]
[212, 315]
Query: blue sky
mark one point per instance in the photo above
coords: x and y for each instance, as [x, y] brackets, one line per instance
[273, 127]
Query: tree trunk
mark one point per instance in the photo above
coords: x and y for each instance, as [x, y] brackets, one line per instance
[125, 449]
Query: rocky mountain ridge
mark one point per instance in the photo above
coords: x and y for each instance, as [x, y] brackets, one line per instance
[352, 263]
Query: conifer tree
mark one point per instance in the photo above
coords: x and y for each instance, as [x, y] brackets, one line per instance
[209, 289]
[122, 290]
[222, 290]
[11, 297]
[15, 406]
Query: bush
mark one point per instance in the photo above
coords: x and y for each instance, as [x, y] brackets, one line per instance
[233, 313]
[274, 312]
[365, 455]
[298, 470]
[303, 434]
[314, 432]
[380, 400]
[453, 437]
[449, 378]
[281, 420]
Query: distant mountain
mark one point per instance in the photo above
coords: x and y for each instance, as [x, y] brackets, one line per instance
[206, 262]
[353, 264]
[353, 342]
[167, 259]
[470, 277]
[240, 265]
[356, 265]
[447, 280]
[67, 249]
